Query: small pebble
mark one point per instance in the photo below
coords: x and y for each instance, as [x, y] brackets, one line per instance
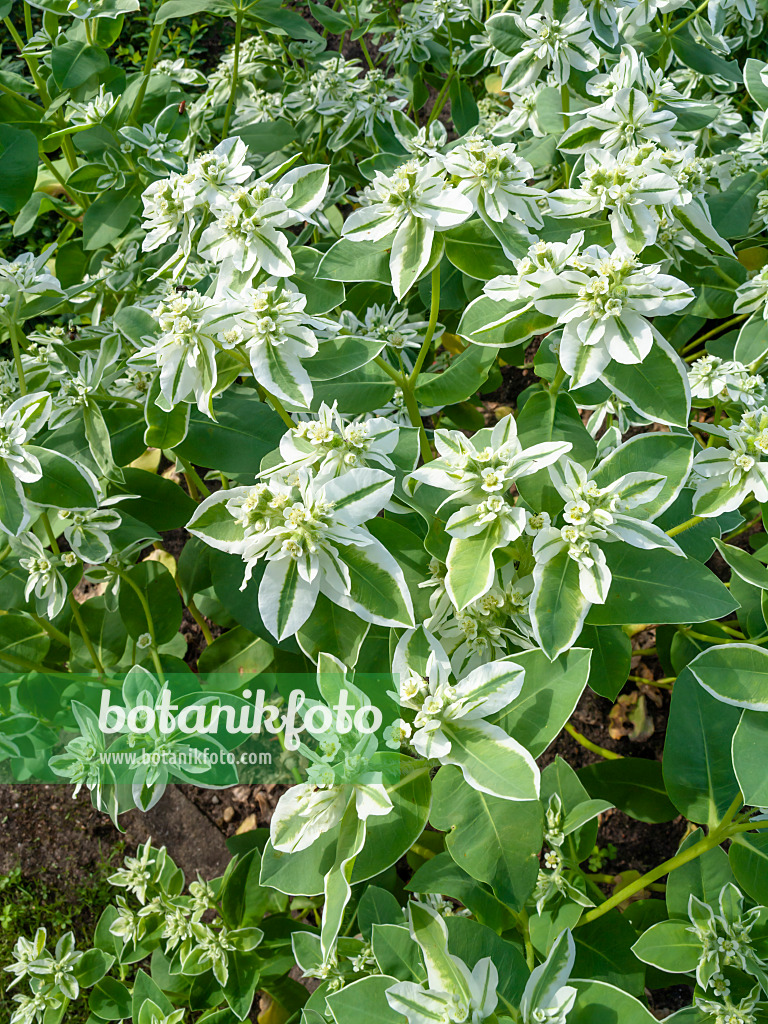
[229, 813]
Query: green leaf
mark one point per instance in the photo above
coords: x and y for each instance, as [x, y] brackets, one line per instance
[73, 63]
[364, 1002]
[184, 8]
[361, 391]
[470, 565]
[494, 764]
[322, 296]
[110, 1000]
[164, 429]
[698, 772]
[268, 136]
[703, 59]
[377, 906]
[558, 606]
[668, 454]
[671, 946]
[658, 586]
[356, 261]
[464, 112]
[748, 856]
[441, 875]
[546, 417]
[599, 1003]
[92, 966]
[655, 387]
[244, 431]
[18, 167]
[237, 653]
[736, 675]
[462, 378]
[703, 877]
[20, 637]
[732, 209]
[108, 216]
[611, 658]
[549, 694]
[497, 841]
[372, 587]
[161, 504]
[145, 988]
[62, 484]
[635, 785]
[159, 590]
[604, 953]
[13, 514]
[750, 743]
[396, 953]
[474, 250]
[471, 941]
[754, 83]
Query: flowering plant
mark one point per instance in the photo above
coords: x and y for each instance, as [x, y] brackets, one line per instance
[419, 351]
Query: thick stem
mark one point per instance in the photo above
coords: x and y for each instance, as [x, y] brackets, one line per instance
[560, 376]
[150, 623]
[154, 46]
[434, 310]
[194, 611]
[193, 477]
[235, 70]
[682, 527]
[51, 630]
[442, 96]
[277, 405]
[702, 6]
[74, 606]
[609, 755]
[32, 64]
[715, 838]
[16, 346]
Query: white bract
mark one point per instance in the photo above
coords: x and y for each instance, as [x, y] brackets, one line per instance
[449, 721]
[726, 475]
[310, 534]
[603, 301]
[452, 992]
[549, 43]
[411, 204]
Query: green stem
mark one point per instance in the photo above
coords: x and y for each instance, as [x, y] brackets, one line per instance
[279, 409]
[711, 334]
[682, 527]
[609, 755]
[15, 345]
[19, 97]
[235, 69]
[50, 629]
[415, 417]
[433, 314]
[32, 63]
[148, 616]
[194, 611]
[80, 199]
[74, 606]
[691, 16]
[560, 376]
[154, 46]
[193, 476]
[411, 405]
[441, 98]
[530, 958]
[77, 616]
[715, 838]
